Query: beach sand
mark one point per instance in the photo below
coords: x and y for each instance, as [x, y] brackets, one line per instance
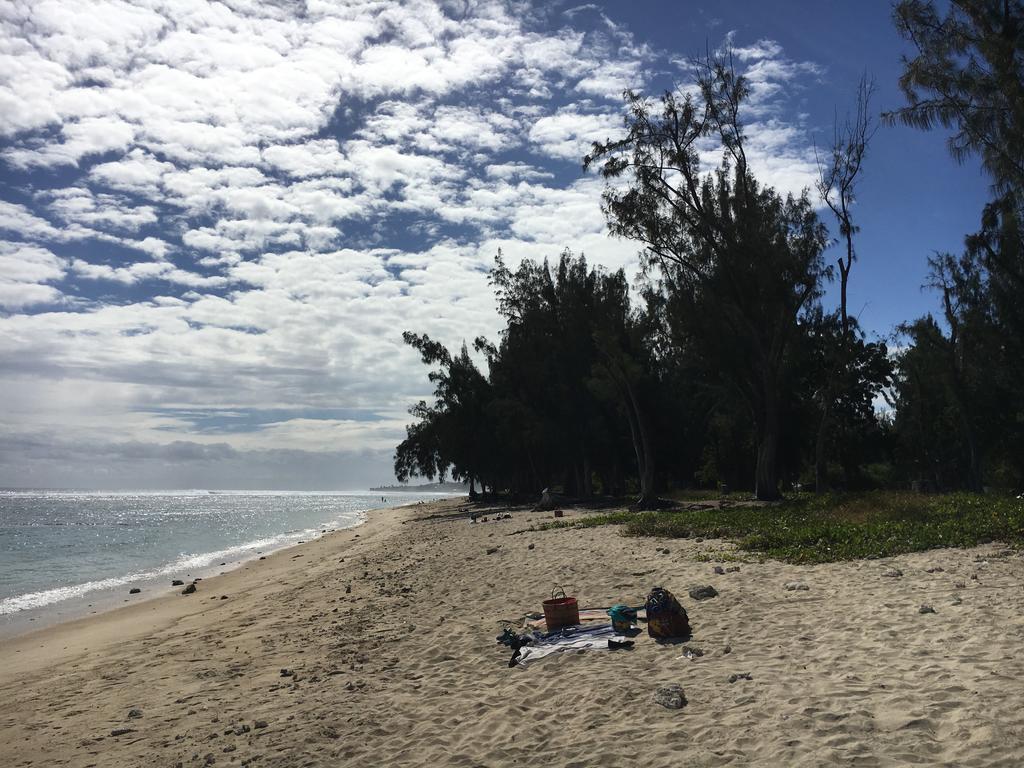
[405, 670]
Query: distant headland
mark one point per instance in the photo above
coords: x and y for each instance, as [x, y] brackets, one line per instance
[424, 487]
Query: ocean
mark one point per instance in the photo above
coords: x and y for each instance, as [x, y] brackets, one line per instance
[69, 553]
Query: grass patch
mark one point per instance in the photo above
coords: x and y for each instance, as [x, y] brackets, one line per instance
[808, 528]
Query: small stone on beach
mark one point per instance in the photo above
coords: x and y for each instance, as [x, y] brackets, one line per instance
[134, 591]
[719, 570]
[189, 589]
[892, 573]
[134, 713]
[705, 592]
[739, 676]
[796, 586]
[177, 583]
[670, 697]
[925, 608]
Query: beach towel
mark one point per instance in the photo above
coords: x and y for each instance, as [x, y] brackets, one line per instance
[570, 639]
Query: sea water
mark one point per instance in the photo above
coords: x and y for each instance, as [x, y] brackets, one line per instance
[67, 553]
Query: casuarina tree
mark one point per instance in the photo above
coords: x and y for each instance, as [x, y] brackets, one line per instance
[742, 261]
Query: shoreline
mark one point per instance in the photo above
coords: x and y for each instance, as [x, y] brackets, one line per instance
[375, 645]
[158, 608]
[101, 599]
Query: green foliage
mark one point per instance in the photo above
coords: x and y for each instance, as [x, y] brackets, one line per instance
[968, 76]
[822, 528]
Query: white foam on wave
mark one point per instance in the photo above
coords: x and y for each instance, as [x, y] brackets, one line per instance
[187, 561]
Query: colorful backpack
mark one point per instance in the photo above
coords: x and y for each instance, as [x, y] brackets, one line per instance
[666, 618]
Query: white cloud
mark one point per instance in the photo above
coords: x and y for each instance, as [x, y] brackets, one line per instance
[568, 134]
[25, 271]
[296, 189]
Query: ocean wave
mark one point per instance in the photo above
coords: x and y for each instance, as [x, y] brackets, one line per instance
[181, 565]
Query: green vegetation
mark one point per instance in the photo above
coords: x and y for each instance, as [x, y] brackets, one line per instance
[822, 528]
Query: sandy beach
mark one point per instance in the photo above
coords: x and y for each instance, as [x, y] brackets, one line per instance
[375, 646]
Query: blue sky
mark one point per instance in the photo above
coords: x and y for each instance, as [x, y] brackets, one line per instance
[216, 218]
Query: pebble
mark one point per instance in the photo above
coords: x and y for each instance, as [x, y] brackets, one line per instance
[260, 724]
[670, 697]
[189, 589]
[957, 600]
[285, 672]
[796, 586]
[134, 591]
[705, 592]
[892, 573]
[727, 649]
[177, 583]
[492, 550]
[120, 731]
[925, 608]
[531, 546]
[134, 713]
[960, 585]
[719, 570]
[740, 676]
[935, 569]
[692, 652]
[732, 569]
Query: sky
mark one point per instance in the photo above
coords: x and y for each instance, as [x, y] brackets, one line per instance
[217, 218]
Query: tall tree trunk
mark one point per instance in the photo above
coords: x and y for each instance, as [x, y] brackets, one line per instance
[472, 487]
[820, 469]
[766, 477]
[588, 481]
[644, 451]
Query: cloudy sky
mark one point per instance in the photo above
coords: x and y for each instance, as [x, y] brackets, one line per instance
[216, 218]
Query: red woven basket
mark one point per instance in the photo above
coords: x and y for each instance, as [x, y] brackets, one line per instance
[561, 611]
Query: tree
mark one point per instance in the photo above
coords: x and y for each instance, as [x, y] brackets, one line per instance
[968, 75]
[742, 261]
[451, 434]
[546, 358]
[837, 181]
